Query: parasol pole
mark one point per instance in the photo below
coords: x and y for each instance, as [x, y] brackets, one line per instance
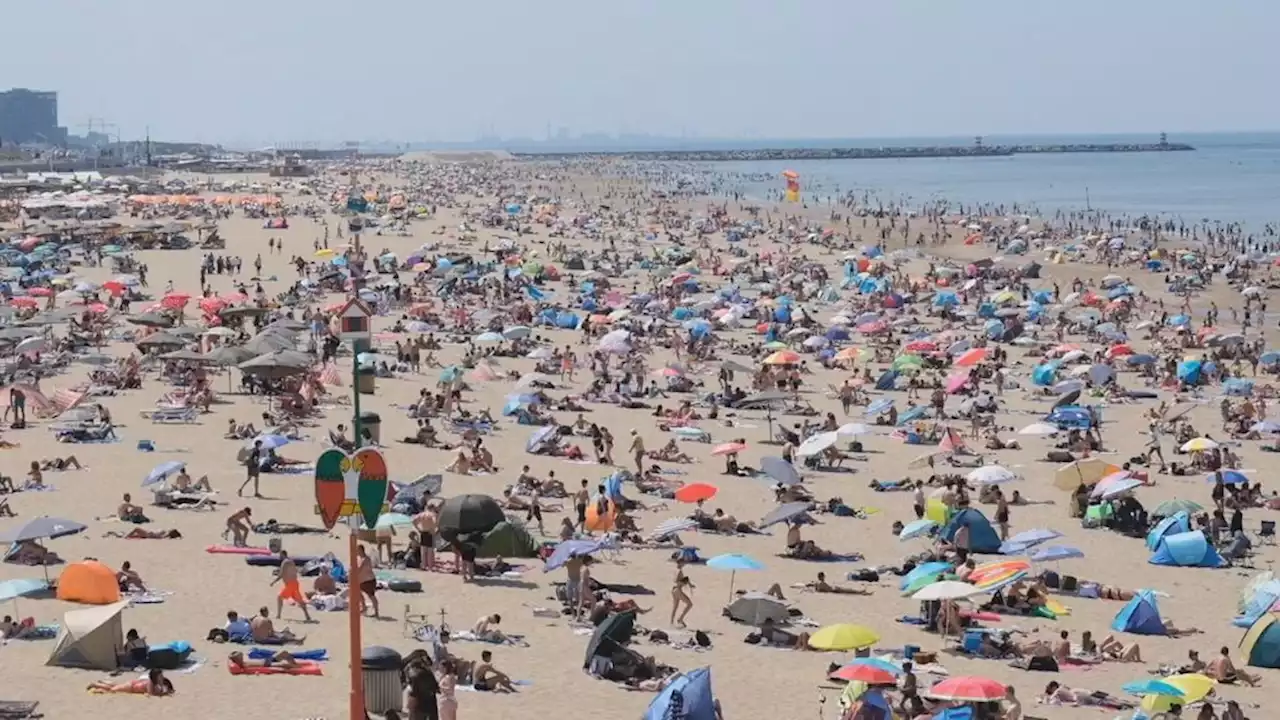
[354, 618]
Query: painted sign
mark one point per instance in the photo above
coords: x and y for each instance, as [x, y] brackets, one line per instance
[351, 484]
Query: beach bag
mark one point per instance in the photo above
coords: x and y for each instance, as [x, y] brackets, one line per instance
[702, 639]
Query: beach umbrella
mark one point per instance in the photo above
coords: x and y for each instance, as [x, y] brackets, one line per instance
[612, 632]
[1039, 428]
[163, 471]
[756, 608]
[922, 575]
[917, 528]
[878, 407]
[729, 448]
[1115, 488]
[150, 320]
[1169, 508]
[1152, 686]
[1200, 444]
[465, 514]
[946, 590]
[696, 492]
[780, 471]
[733, 562]
[21, 587]
[270, 341]
[1087, 471]
[228, 355]
[42, 528]
[281, 363]
[392, 520]
[817, 443]
[541, 353]
[539, 437]
[991, 475]
[670, 527]
[488, 337]
[1054, 553]
[569, 549]
[783, 357]
[269, 441]
[1228, 476]
[853, 430]
[868, 674]
[967, 688]
[1027, 539]
[785, 513]
[1193, 686]
[843, 636]
[971, 357]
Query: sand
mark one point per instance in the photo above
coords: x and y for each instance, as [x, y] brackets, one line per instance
[750, 681]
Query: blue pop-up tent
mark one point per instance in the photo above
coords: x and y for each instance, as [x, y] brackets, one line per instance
[1140, 616]
[1188, 549]
[688, 697]
[1177, 523]
[982, 537]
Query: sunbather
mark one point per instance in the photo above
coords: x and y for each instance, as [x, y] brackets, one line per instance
[281, 659]
[670, 453]
[769, 634]
[1224, 671]
[154, 684]
[57, 463]
[182, 483]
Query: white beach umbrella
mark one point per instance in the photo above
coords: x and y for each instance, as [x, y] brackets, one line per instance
[853, 430]
[817, 443]
[540, 353]
[991, 475]
[1038, 429]
[946, 590]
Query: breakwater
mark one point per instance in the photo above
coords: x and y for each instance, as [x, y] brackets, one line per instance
[859, 153]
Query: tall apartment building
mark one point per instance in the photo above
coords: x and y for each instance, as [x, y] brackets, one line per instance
[30, 116]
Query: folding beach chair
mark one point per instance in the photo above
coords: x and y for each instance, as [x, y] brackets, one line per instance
[1267, 533]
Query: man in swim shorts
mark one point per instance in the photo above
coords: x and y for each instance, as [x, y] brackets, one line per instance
[291, 588]
[366, 579]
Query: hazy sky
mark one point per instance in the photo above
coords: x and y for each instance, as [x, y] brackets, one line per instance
[328, 70]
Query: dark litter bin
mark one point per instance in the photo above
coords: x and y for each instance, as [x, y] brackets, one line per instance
[383, 689]
[372, 422]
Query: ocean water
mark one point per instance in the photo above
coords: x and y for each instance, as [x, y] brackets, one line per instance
[1228, 178]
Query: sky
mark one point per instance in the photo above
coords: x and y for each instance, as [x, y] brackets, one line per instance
[275, 71]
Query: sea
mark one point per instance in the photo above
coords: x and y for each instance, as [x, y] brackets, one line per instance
[1228, 178]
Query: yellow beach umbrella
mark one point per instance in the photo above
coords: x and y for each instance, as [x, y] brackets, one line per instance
[1088, 471]
[325, 253]
[1194, 686]
[1200, 444]
[843, 636]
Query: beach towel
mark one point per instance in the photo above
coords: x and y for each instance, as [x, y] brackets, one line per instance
[315, 654]
[468, 636]
[843, 557]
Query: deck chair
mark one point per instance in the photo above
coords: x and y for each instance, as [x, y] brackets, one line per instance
[1267, 533]
[418, 626]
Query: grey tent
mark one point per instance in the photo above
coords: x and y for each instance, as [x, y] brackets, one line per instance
[90, 639]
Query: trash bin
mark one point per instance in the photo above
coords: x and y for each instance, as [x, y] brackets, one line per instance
[365, 378]
[383, 691]
[372, 422]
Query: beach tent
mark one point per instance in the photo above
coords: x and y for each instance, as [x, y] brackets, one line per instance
[982, 537]
[90, 639]
[508, 540]
[1261, 644]
[1258, 602]
[688, 697]
[88, 582]
[1140, 616]
[1187, 549]
[1174, 524]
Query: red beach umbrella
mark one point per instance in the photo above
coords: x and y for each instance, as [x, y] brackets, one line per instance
[868, 674]
[967, 688]
[696, 492]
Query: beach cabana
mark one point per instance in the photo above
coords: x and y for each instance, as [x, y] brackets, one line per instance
[1140, 616]
[982, 537]
[90, 639]
[1261, 644]
[1187, 549]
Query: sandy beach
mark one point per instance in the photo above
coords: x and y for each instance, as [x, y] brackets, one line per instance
[590, 209]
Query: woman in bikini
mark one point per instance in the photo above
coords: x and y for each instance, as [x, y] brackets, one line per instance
[680, 595]
[154, 684]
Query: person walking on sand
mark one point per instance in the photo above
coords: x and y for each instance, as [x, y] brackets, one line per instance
[366, 580]
[291, 588]
[680, 595]
[580, 500]
[253, 468]
[637, 451]
[426, 523]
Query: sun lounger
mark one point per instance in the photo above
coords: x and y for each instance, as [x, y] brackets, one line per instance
[170, 415]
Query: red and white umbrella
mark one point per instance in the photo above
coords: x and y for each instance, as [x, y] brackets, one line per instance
[967, 688]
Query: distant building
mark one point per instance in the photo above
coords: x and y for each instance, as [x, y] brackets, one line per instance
[30, 117]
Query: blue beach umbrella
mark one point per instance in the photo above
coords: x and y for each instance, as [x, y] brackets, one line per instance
[1152, 686]
[877, 407]
[917, 528]
[1229, 477]
[489, 337]
[570, 549]
[1027, 539]
[162, 471]
[922, 571]
[269, 442]
[21, 587]
[733, 562]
